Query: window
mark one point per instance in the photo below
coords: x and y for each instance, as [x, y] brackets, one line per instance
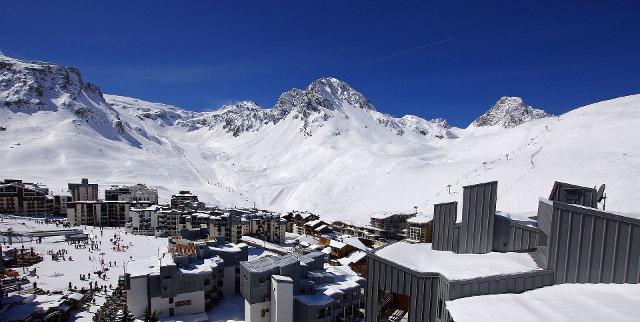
[439, 308]
[171, 300]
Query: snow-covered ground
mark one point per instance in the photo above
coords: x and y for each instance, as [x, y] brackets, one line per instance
[340, 159]
[561, 303]
[54, 275]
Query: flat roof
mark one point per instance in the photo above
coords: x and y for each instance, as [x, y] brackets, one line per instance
[420, 219]
[565, 303]
[422, 258]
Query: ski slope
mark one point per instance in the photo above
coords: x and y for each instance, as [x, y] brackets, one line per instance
[324, 149]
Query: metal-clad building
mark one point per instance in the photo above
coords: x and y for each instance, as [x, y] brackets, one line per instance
[572, 194]
[428, 292]
[478, 213]
[587, 245]
[475, 233]
[511, 236]
[574, 243]
[444, 221]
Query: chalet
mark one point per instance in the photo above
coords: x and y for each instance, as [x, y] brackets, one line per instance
[300, 219]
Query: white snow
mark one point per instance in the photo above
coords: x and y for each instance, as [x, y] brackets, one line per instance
[354, 257]
[420, 219]
[561, 303]
[347, 167]
[55, 275]
[422, 258]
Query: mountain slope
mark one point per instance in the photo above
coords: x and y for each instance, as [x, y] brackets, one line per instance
[324, 148]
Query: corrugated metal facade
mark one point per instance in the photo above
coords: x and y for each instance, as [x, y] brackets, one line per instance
[478, 213]
[386, 276]
[575, 243]
[509, 236]
[475, 233]
[444, 220]
[588, 245]
[569, 193]
[428, 292]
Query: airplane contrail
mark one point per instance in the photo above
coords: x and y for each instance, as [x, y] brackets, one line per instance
[400, 53]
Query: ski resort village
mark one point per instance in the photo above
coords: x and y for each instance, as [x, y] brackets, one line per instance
[428, 225]
[403, 161]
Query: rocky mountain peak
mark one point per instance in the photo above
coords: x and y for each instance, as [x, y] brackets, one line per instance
[509, 112]
[329, 92]
[33, 85]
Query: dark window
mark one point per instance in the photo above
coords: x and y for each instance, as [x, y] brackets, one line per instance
[171, 300]
[439, 308]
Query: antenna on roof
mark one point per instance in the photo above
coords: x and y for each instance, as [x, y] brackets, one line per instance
[602, 196]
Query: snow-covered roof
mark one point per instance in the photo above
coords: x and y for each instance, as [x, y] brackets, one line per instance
[422, 258]
[355, 242]
[143, 267]
[565, 302]
[31, 304]
[76, 296]
[342, 278]
[207, 265]
[337, 244]
[382, 215]
[313, 222]
[420, 219]
[353, 257]
[150, 208]
[307, 239]
[523, 218]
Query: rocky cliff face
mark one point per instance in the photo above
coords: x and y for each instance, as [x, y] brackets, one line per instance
[509, 112]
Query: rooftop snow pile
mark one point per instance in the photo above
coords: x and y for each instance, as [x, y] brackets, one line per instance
[561, 303]
[421, 258]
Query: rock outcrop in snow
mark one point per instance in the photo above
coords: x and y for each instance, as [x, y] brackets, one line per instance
[509, 112]
[32, 87]
[324, 148]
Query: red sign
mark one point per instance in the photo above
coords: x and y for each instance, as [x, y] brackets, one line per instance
[183, 303]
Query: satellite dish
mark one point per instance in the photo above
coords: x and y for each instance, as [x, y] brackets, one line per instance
[601, 192]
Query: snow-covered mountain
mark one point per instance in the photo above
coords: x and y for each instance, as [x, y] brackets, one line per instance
[324, 148]
[509, 112]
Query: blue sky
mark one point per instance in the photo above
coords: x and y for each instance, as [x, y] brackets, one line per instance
[557, 55]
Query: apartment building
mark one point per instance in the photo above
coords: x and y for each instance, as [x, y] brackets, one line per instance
[145, 221]
[21, 198]
[297, 287]
[137, 192]
[83, 191]
[102, 213]
[181, 198]
[189, 279]
[392, 225]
